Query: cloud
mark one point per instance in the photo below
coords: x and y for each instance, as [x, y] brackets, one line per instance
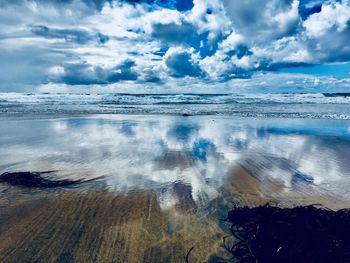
[180, 5]
[202, 28]
[104, 42]
[233, 59]
[333, 16]
[71, 35]
[272, 82]
[86, 74]
[95, 4]
[261, 19]
[172, 33]
[328, 32]
[123, 71]
[182, 62]
[150, 75]
[21, 69]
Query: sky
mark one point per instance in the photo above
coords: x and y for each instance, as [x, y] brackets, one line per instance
[167, 46]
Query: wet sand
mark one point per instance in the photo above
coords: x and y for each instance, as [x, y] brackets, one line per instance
[165, 184]
[96, 225]
[99, 226]
[245, 189]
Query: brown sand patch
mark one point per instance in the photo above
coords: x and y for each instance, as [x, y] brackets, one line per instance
[244, 188]
[99, 226]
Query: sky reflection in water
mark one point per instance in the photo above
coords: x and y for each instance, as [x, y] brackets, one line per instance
[161, 152]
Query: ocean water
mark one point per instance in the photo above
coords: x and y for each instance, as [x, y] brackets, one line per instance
[315, 105]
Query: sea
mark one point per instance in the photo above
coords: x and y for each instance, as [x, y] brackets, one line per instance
[285, 105]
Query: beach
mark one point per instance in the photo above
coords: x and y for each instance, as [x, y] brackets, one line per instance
[150, 188]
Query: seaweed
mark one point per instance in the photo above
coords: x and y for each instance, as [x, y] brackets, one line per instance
[36, 179]
[188, 255]
[268, 234]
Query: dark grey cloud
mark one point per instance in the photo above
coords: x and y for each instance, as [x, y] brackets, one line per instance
[240, 51]
[70, 35]
[123, 71]
[181, 64]
[81, 74]
[151, 75]
[172, 33]
[86, 74]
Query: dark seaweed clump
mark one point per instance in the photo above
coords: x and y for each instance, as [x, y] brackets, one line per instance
[267, 234]
[35, 179]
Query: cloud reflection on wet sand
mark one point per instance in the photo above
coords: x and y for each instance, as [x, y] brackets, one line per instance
[166, 182]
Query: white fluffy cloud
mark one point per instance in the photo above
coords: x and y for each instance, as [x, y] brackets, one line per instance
[334, 16]
[261, 19]
[231, 60]
[328, 33]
